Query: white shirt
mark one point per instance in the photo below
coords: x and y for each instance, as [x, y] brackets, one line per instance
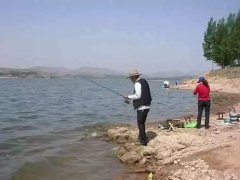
[137, 95]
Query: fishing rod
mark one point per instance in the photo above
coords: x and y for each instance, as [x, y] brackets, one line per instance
[102, 86]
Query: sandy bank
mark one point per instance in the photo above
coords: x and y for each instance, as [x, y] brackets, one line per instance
[217, 83]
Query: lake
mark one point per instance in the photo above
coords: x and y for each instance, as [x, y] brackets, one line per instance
[49, 128]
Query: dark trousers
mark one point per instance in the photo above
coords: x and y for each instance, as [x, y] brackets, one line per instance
[141, 119]
[203, 105]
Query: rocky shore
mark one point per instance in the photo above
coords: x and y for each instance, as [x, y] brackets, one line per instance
[184, 153]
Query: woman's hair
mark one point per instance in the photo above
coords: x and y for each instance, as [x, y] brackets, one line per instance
[205, 83]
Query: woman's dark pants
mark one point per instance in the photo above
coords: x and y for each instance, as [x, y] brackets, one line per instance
[203, 105]
[141, 119]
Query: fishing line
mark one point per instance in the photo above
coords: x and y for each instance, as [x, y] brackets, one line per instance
[102, 86]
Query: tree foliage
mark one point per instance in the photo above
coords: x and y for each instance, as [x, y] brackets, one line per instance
[222, 41]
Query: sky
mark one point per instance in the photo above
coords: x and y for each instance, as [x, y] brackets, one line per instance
[150, 35]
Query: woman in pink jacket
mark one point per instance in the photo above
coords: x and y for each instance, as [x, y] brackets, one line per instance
[203, 91]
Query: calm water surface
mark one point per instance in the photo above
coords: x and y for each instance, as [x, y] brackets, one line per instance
[48, 127]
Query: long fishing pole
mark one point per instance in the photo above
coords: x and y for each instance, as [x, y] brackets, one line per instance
[102, 86]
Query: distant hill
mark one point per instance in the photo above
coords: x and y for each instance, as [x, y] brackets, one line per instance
[96, 71]
[24, 73]
[170, 74]
[57, 72]
[62, 72]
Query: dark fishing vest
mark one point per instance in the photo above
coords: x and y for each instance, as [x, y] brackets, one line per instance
[145, 98]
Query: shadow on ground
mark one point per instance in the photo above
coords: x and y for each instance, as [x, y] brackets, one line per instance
[151, 135]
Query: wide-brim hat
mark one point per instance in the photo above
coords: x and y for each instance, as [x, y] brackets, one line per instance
[133, 72]
[201, 79]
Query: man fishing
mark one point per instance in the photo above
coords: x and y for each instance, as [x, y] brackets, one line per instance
[141, 99]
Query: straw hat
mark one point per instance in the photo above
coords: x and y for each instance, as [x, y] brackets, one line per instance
[133, 72]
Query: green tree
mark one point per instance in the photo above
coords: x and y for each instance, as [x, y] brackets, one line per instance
[219, 51]
[236, 36]
[230, 39]
[222, 40]
[209, 39]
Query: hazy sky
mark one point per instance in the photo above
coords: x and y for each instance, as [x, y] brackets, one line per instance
[151, 35]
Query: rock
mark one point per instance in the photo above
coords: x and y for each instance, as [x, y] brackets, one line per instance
[234, 177]
[186, 143]
[164, 154]
[94, 134]
[146, 151]
[129, 146]
[123, 129]
[151, 168]
[207, 177]
[193, 176]
[177, 147]
[167, 161]
[121, 134]
[232, 136]
[143, 161]
[120, 152]
[204, 171]
[175, 162]
[131, 157]
[115, 149]
[228, 177]
[175, 178]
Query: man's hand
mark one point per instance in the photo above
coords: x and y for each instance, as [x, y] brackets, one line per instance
[126, 99]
